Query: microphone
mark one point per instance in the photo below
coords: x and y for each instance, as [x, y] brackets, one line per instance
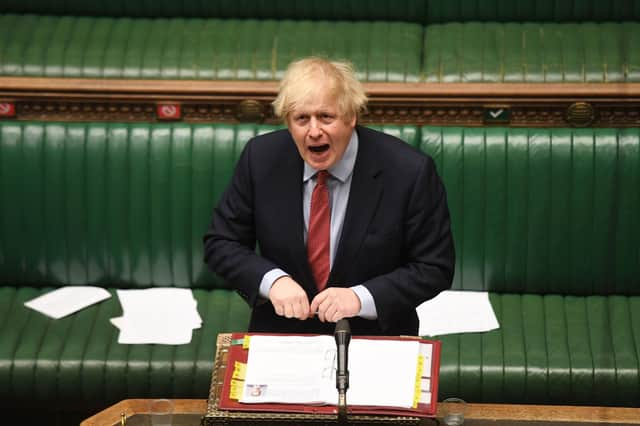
[342, 335]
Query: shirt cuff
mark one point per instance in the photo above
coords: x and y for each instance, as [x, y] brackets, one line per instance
[367, 304]
[268, 279]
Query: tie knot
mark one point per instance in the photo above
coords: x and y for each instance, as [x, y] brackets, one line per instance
[321, 177]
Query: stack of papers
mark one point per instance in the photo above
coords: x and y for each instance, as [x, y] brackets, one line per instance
[457, 312]
[162, 315]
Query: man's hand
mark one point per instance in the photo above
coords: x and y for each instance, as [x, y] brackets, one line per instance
[335, 303]
[289, 299]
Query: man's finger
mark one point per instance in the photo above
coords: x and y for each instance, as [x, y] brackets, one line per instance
[326, 310]
[315, 303]
[298, 310]
[288, 311]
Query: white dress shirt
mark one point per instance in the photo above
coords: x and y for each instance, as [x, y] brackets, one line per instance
[339, 184]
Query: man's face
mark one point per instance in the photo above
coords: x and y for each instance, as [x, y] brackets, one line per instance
[321, 135]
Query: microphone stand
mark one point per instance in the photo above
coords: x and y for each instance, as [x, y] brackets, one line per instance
[342, 335]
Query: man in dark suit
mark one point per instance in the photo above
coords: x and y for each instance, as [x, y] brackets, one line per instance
[349, 222]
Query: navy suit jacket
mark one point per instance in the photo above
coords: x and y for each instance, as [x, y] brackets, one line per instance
[396, 237]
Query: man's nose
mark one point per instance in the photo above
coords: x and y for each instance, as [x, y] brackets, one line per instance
[315, 129]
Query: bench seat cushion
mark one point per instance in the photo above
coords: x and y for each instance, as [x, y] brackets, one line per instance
[549, 349]
[77, 360]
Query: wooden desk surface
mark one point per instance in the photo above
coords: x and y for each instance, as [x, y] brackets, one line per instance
[477, 414]
[113, 416]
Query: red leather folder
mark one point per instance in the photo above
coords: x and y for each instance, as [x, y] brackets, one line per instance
[237, 353]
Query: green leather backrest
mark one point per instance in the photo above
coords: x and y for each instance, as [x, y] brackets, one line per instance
[382, 51]
[542, 210]
[123, 205]
[388, 10]
[202, 49]
[532, 52]
[112, 204]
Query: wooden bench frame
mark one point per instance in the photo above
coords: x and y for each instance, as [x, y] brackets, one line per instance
[457, 104]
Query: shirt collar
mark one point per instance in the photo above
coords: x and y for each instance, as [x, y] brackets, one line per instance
[343, 167]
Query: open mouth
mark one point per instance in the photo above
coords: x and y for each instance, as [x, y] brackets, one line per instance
[319, 148]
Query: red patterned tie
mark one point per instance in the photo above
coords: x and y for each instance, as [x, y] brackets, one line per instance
[318, 238]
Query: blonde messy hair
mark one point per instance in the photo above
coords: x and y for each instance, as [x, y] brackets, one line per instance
[301, 83]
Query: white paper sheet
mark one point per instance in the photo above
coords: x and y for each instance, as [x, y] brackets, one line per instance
[177, 303]
[295, 369]
[161, 332]
[383, 372]
[162, 315]
[66, 300]
[457, 312]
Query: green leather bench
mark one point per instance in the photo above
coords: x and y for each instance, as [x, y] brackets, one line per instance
[118, 206]
[545, 220]
[178, 48]
[603, 52]
[261, 49]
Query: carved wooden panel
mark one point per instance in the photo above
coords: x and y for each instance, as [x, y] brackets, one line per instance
[459, 104]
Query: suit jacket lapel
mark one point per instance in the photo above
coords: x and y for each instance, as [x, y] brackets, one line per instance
[287, 184]
[364, 196]
[286, 190]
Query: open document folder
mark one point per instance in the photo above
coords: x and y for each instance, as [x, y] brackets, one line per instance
[389, 375]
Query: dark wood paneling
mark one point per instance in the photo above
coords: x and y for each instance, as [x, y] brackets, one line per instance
[468, 104]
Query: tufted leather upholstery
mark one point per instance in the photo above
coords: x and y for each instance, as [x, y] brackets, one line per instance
[120, 206]
[201, 49]
[542, 210]
[546, 220]
[542, 218]
[75, 363]
[532, 52]
[111, 204]
[550, 349]
[382, 51]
